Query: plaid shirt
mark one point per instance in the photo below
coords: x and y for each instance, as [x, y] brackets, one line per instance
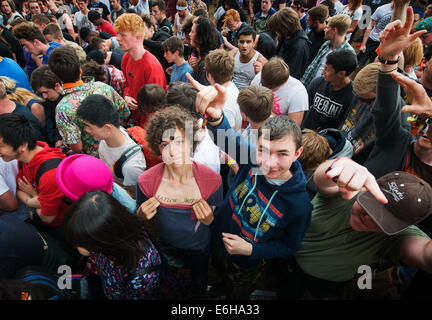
[312, 70]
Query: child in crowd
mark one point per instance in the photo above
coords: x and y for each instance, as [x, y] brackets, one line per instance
[173, 53]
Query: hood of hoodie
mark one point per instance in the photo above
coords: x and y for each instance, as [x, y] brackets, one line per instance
[338, 142]
[46, 153]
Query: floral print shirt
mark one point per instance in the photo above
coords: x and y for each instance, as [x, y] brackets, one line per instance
[119, 285]
[70, 127]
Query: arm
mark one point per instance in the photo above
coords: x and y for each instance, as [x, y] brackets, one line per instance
[353, 25]
[210, 101]
[69, 26]
[371, 25]
[297, 117]
[28, 200]
[8, 202]
[417, 252]
[39, 112]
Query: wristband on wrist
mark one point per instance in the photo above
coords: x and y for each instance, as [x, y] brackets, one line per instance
[209, 119]
[385, 61]
[231, 162]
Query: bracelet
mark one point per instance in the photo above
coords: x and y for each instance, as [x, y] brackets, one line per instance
[209, 119]
[231, 162]
[390, 71]
[385, 61]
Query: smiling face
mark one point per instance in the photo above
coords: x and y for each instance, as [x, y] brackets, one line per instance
[276, 157]
[98, 133]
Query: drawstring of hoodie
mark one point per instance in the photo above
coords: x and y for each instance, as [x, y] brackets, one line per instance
[265, 210]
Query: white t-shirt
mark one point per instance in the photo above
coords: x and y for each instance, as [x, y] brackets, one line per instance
[231, 108]
[291, 97]
[338, 6]
[207, 153]
[131, 168]
[382, 16]
[142, 7]
[8, 173]
[356, 16]
[81, 21]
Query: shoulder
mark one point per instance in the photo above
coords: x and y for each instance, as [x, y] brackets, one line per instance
[149, 178]
[208, 179]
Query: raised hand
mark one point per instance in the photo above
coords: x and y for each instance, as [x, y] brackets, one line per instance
[395, 37]
[210, 99]
[417, 96]
[352, 177]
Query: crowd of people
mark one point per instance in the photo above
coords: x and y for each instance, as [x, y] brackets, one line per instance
[185, 149]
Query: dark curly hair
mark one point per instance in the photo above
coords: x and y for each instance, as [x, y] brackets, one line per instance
[168, 119]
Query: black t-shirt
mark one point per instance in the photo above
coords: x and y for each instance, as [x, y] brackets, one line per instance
[13, 44]
[20, 245]
[328, 108]
[116, 14]
[5, 52]
[317, 39]
[40, 133]
[99, 7]
[166, 26]
[266, 45]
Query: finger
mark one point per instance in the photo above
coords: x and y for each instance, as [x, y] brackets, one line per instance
[372, 186]
[416, 35]
[25, 179]
[194, 83]
[229, 236]
[356, 183]
[345, 176]
[409, 18]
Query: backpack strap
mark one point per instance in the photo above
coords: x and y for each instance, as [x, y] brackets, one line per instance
[46, 166]
[127, 154]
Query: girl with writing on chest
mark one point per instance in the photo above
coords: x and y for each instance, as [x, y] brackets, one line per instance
[181, 192]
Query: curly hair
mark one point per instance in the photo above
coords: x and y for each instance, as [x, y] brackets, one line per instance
[170, 118]
[129, 22]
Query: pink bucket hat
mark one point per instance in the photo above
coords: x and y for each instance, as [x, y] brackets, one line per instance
[80, 173]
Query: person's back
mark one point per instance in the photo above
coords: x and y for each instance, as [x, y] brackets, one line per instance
[11, 69]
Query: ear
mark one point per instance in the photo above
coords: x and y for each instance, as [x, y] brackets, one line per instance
[298, 152]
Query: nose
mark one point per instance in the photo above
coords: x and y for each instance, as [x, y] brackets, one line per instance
[44, 95]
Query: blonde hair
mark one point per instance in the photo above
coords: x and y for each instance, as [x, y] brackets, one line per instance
[341, 22]
[413, 54]
[130, 22]
[365, 80]
[15, 93]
